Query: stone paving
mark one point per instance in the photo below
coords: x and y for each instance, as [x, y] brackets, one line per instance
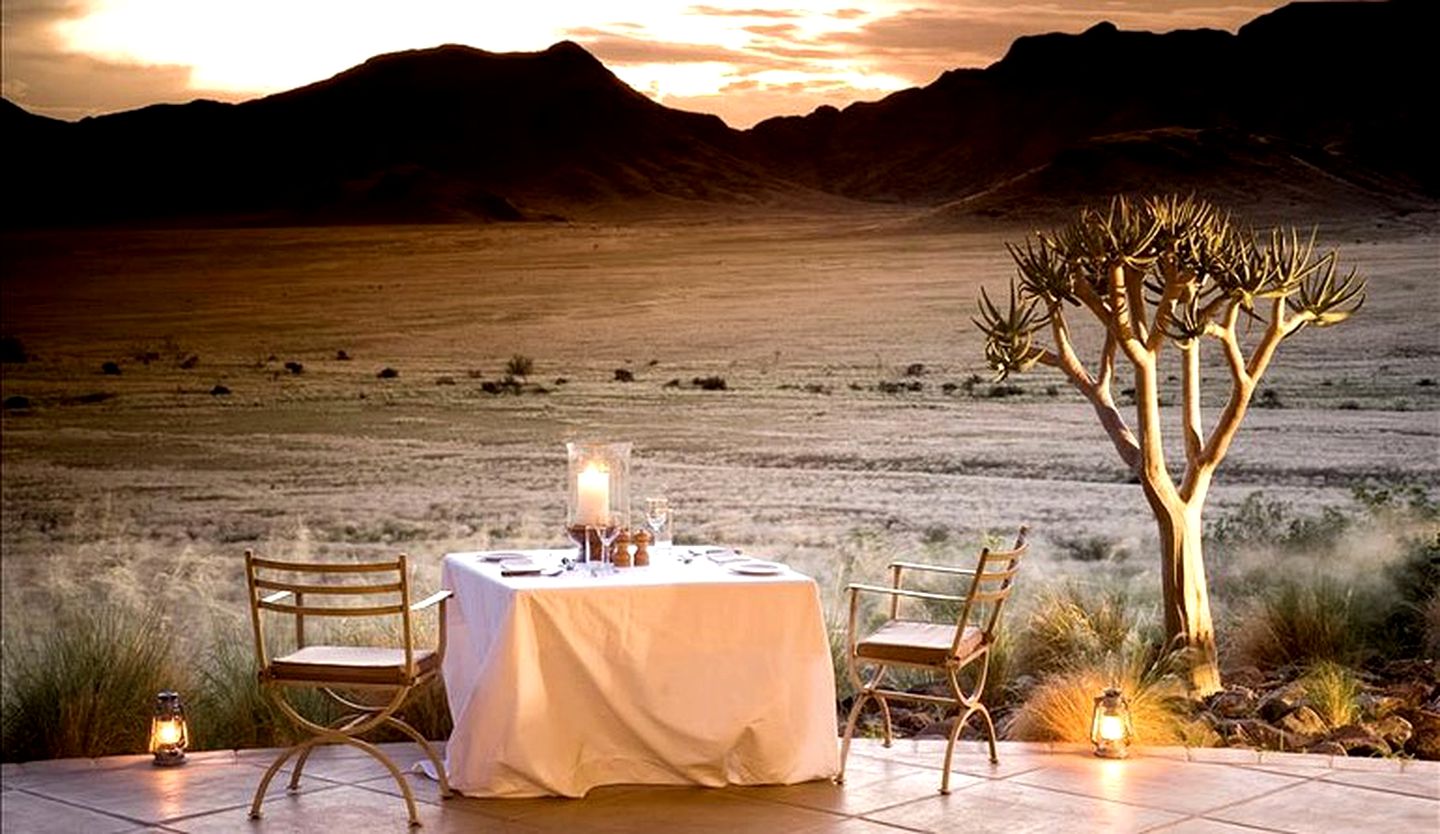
[1036, 787]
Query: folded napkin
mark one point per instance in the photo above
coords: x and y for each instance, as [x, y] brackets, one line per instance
[725, 557]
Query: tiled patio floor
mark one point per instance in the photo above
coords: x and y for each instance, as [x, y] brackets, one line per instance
[1034, 788]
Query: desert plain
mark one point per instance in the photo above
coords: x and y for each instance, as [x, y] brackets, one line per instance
[857, 422]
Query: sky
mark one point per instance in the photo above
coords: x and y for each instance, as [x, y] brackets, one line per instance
[744, 61]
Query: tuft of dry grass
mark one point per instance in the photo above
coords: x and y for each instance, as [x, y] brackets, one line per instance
[1061, 706]
[1333, 691]
[86, 686]
[1069, 623]
[1301, 620]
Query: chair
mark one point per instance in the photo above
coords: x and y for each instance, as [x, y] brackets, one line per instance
[378, 591]
[945, 648]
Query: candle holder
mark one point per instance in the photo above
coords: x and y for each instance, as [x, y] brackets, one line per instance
[598, 496]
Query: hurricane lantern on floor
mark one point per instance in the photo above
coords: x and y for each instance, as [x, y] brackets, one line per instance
[1110, 729]
[598, 503]
[169, 734]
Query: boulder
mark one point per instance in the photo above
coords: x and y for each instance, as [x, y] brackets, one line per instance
[1395, 730]
[1424, 742]
[1303, 721]
[1360, 740]
[1234, 702]
[1327, 748]
[1248, 677]
[1280, 702]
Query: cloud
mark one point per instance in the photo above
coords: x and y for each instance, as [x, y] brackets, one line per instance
[848, 14]
[778, 30]
[713, 11]
[617, 48]
[41, 76]
[919, 43]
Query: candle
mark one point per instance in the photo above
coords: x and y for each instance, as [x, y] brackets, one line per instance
[593, 504]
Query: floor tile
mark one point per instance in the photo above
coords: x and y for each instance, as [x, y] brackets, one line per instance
[1153, 782]
[1006, 807]
[628, 809]
[1331, 807]
[858, 797]
[345, 809]
[1425, 785]
[1198, 825]
[149, 794]
[26, 813]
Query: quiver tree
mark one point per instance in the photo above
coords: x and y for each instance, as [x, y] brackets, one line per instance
[1166, 275]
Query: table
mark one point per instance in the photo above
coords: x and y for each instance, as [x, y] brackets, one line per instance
[673, 673]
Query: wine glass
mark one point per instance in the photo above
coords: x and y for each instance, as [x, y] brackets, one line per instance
[577, 534]
[608, 533]
[657, 518]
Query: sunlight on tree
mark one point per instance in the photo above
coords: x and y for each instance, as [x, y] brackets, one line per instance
[1167, 272]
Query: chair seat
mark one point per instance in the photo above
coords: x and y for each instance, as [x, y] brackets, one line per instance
[922, 643]
[352, 664]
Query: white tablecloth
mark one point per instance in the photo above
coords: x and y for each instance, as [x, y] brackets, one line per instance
[668, 674]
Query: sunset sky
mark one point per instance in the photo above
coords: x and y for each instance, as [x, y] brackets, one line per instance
[741, 60]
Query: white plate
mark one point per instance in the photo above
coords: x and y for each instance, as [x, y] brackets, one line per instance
[500, 556]
[756, 567]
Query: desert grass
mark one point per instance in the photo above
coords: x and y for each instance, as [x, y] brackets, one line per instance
[85, 685]
[1333, 691]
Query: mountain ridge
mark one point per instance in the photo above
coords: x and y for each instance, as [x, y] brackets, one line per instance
[456, 134]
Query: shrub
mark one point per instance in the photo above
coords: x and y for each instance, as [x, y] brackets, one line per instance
[915, 369]
[1333, 691]
[1302, 620]
[709, 383]
[624, 375]
[519, 365]
[1091, 549]
[110, 369]
[84, 687]
[1060, 707]
[295, 367]
[1068, 625]
[387, 373]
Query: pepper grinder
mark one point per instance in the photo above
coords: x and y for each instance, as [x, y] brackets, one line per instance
[642, 548]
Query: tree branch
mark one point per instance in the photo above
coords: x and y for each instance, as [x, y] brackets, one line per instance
[1095, 389]
[1190, 377]
[1135, 303]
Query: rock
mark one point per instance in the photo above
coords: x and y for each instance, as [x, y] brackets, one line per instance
[1303, 721]
[1234, 702]
[1381, 705]
[937, 729]
[1425, 741]
[1280, 702]
[1248, 677]
[1395, 730]
[1252, 732]
[1360, 740]
[1327, 748]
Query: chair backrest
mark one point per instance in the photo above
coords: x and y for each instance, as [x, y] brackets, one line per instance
[335, 590]
[989, 588]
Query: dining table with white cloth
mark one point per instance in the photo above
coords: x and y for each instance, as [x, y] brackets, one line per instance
[675, 673]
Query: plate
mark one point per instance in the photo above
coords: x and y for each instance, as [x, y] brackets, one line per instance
[756, 567]
[501, 556]
[518, 567]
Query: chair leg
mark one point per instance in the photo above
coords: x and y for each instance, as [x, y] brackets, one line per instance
[885, 713]
[394, 772]
[270, 774]
[859, 704]
[990, 729]
[429, 751]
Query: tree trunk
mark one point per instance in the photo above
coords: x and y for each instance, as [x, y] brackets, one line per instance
[1186, 597]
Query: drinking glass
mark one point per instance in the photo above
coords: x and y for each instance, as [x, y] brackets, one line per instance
[657, 518]
[608, 534]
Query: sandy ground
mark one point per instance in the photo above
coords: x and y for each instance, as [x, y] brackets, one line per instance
[802, 458]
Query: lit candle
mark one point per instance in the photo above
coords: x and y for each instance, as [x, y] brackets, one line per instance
[593, 506]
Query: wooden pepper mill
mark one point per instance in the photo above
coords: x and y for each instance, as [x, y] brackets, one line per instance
[642, 545]
[621, 558]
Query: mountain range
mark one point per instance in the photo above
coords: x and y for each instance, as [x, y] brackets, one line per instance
[1315, 106]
